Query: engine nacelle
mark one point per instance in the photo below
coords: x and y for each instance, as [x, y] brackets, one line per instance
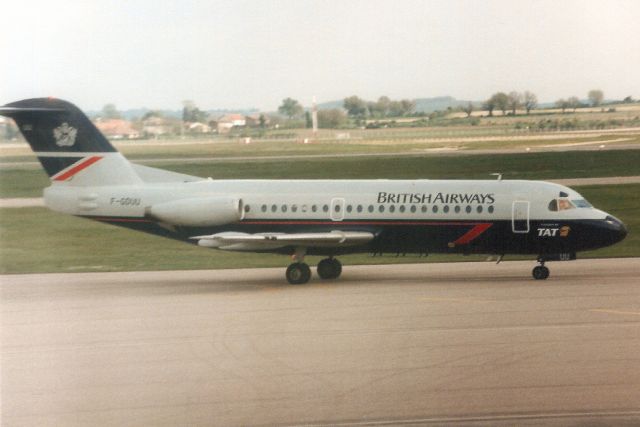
[199, 212]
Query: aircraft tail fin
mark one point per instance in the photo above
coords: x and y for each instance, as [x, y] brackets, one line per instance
[68, 145]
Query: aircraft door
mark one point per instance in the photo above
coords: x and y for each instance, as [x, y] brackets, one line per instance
[520, 216]
[337, 209]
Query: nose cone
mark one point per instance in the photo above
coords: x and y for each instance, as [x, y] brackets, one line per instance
[618, 231]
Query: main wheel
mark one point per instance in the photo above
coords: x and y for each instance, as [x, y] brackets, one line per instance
[298, 273]
[540, 272]
[329, 268]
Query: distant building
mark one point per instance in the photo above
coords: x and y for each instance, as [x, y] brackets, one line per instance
[197, 127]
[253, 120]
[229, 121]
[117, 129]
[156, 126]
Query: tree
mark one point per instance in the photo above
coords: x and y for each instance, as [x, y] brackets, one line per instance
[573, 103]
[382, 106]
[563, 104]
[530, 101]
[468, 109]
[355, 106]
[109, 111]
[595, 97]
[191, 113]
[290, 108]
[331, 119]
[489, 105]
[407, 107]
[308, 122]
[515, 101]
[498, 100]
[628, 100]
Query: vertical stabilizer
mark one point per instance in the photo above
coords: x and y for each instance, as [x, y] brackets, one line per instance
[70, 148]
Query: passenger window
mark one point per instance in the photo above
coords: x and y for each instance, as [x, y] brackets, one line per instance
[381, 208]
[435, 209]
[274, 208]
[413, 209]
[284, 208]
[247, 208]
[457, 209]
[294, 208]
[370, 208]
[264, 208]
[314, 208]
[446, 208]
[490, 209]
[402, 208]
[468, 209]
[479, 209]
[349, 208]
[392, 208]
[336, 208]
[325, 208]
[359, 208]
[424, 209]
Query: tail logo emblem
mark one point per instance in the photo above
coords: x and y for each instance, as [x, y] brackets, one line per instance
[65, 135]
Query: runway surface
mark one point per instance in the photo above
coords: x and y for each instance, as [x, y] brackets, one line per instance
[464, 343]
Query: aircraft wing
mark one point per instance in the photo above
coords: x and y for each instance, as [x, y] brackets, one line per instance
[235, 241]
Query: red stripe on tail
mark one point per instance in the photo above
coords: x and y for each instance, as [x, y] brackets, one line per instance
[83, 164]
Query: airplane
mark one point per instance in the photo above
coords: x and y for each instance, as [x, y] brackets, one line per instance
[91, 179]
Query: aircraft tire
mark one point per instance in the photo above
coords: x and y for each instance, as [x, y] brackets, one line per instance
[540, 272]
[298, 273]
[329, 268]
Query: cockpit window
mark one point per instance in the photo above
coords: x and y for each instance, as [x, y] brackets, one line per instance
[581, 203]
[564, 204]
[561, 205]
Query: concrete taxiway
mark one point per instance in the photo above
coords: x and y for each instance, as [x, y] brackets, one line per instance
[460, 343]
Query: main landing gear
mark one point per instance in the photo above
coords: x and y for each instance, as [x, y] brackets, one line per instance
[540, 272]
[299, 272]
[329, 268]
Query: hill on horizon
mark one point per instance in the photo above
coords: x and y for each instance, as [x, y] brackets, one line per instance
[423, 105]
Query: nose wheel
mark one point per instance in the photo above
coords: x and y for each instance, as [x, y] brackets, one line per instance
[540, 272]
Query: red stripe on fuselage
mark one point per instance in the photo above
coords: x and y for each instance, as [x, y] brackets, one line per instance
[348, 222]
[83, 164]
[472, 234]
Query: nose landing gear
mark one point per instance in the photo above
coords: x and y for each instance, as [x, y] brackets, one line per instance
[540, 272]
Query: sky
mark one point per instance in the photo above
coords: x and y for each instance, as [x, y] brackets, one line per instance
[242, 54]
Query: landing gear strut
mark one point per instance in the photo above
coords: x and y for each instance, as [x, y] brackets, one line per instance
[540, 272]
[329, 268]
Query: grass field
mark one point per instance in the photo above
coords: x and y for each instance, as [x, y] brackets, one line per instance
[29, 182]
[38, 240]
[353, 142]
